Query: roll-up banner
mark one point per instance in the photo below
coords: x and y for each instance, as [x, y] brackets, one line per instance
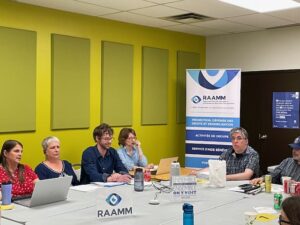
[212, 110]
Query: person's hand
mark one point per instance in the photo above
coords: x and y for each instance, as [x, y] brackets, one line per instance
[256, 181]
[114, 177]
[124, 178]
[194, 172]
[150, 166]
[137, 143]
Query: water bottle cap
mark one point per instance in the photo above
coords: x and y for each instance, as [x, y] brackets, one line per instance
[6, 182]
[187, 208]
[139, 169]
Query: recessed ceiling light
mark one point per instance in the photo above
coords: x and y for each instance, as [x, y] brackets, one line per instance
[264, 5]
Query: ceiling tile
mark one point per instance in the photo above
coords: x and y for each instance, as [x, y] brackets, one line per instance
[71, 6]
[212, 8]
[122, 5]
[290, 14]
[260, 20]
[163, 1]
[159, 11]
[228, 18]
[226, 26]
[138, 19]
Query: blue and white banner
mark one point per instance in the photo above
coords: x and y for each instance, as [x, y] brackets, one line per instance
[212, 110]
[286, 110]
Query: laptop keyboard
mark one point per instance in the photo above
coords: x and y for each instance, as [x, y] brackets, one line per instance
[20, 197]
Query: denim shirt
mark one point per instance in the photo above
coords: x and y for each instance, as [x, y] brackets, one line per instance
[288, 167]
[95, 168]
[133, 160]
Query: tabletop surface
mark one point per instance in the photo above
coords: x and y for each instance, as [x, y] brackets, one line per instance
[213, 206]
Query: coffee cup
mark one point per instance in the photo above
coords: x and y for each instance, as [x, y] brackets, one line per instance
[6, 189]
[283, 178]
[250, 217]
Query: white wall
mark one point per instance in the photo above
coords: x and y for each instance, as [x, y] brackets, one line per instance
[277, 49]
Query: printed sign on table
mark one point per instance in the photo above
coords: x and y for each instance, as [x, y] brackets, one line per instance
[113, 203]
[184, 188]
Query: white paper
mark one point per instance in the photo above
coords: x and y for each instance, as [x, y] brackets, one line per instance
[109, 184]
[265, 210]
[84, 188]
[146, 183]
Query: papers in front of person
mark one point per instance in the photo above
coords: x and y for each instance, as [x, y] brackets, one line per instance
[146, 183]
[109, 184]
[85, 187]
[95, 185]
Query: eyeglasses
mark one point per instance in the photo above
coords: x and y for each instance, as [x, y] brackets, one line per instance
[131, 138]
[280, 221]
[107, 139]
[239, 138]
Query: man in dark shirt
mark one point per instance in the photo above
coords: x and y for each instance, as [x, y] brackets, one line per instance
[101, 163]
[289, 167]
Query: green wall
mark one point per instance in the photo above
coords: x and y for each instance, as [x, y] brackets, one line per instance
[158, 140]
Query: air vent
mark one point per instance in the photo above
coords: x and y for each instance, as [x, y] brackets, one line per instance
[188, 18]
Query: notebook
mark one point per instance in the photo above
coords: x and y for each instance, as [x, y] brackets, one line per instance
[164, 165]
[48, 191]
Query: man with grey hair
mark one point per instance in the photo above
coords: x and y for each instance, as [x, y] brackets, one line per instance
[242, 161]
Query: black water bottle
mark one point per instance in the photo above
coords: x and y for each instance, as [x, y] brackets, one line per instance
[139, 179]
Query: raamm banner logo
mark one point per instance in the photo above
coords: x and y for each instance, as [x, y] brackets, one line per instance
[213, 79]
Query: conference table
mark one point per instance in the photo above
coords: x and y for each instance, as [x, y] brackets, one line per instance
[4, 221]
[213, 206]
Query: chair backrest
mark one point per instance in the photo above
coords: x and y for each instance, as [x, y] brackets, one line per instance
[77, 170]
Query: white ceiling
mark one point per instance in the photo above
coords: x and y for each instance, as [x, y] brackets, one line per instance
[228, 19]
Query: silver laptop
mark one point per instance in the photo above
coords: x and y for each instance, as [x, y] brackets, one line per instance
[48, 191]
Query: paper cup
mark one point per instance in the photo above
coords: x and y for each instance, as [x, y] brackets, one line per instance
[285, 178]
[250, 217]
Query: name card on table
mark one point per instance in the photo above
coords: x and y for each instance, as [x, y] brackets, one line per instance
[112, 202]
[184, 188]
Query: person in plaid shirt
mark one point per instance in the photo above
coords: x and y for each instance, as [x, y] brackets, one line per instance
[242, 161]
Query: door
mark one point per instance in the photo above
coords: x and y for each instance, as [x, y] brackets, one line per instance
[256, 113]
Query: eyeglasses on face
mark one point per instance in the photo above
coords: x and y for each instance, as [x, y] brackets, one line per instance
[282, 222]
[107, 138]
[239, 138]
[131, 138]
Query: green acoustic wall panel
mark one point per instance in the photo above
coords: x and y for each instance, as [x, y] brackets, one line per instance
[117, 78]
[70, 82]
[154, 86]
[185, 60]
[17, 80]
